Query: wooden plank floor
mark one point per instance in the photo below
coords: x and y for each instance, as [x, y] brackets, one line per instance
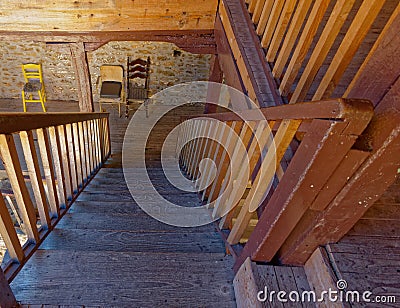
[368, 257]
[107, 252]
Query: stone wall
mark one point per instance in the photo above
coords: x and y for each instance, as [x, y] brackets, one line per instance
[170, 66]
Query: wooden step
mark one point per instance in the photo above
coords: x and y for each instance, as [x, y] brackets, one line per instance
[253, 279]
[126, 279]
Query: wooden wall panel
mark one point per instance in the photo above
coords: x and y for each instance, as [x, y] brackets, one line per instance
[116, 15]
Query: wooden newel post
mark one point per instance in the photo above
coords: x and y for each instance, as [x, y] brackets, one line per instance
[81, 67]
[7, 298]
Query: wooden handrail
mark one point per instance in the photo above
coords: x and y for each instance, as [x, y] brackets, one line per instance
[62, 152]
[326, 109]
[18, 121]
[256, 155]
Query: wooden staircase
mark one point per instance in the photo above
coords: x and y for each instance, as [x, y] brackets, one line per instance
[107, 252]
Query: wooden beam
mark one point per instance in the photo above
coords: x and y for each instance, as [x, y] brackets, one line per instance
[243, 41]
[301, 49]
[83, 16]
[380, 69]
[355, 35]
[370, 181]
[238, 53]
[308, 172]
[29, 121]
[281, 29]
[7, 298]
[265, 13]
[291, 37]
[213, 92]
[194, 41]
[225, 57]
[382, 136]
[82, 76]
[272, 22]
[321, 50]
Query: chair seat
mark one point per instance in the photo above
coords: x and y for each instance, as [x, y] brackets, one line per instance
[111, 89]
[137, 93]
[32, 86]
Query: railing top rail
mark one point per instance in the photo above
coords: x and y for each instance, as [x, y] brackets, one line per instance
[12, 122]
[339, 108]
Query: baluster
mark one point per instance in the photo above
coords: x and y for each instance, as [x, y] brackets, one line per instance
[62, 179]
[78, 160]
[197, 149]
[205, 145]
[71, 155]
[88, 148]
[223, 164]
[32, 164]
[215, 130]
[236, 161]
[82, 152]
[44, 148]
[9, 235]
[68, 168]
[13, 168]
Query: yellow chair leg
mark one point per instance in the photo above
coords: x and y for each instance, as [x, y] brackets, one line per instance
[23, 101]
[42, 100]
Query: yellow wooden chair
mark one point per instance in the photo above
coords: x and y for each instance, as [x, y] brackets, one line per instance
[33, 91]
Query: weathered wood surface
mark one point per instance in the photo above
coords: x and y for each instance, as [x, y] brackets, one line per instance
[124, 279]
[82, 76]
[255, 74]
[253, 278]
[368, 257]
[7, 298]
[120, 256]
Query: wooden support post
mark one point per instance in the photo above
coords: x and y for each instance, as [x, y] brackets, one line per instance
[213, 92]
[82, 74]
[7, 298]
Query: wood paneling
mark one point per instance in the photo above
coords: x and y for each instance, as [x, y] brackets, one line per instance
[120, 15]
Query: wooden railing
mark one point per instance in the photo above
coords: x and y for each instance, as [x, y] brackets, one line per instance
[259, 156]
[48, 158]
[302, 36]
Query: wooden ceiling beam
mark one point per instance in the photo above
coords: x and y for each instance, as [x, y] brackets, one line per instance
[195, 41]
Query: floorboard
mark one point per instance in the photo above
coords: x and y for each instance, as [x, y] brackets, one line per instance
[107, 252]
[368, 257]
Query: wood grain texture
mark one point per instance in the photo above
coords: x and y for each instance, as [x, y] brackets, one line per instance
[7, 298]
[125, 279]
[87, 16]
[117, 255]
